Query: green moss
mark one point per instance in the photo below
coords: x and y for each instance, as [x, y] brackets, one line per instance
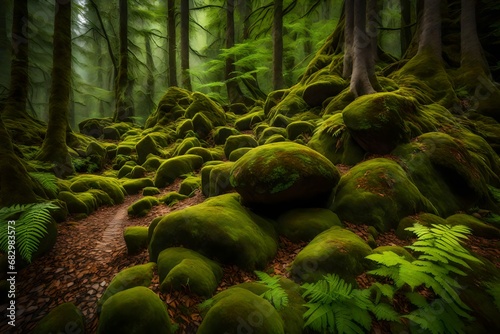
[220, 134]
[101, 197]
[125, 149]
[322, 88]
[425, 219]
[136, 310]
[479, 228]
[65, 318]
[94, 126]
[78, 203]
[189, 185]
[135, 186]
[395, 249]
[269, 132]
[238, 141]
[284, 173]
[304, 224]
[290, 105]
[378, 193]
[150, 191]
[140, 275]
[248, 121]
[184, 127]
[172, 168]
[236, 310]
[219, 228]
[336, 251]
[125, 171]
[273, 98]
[280, 121]
[257, 130]
[142, 206]
[152, 163]
[146, 146]
[215, 180]
[238, 108]
[136, 238]
[120, 161]
[172, 197]
[276, 138]
[170, 107]
[137, 172]
[202, 152]
[185, 145]
[238, 153]
[109, 185]
[202, 125]
[294, 129]
[201, 103]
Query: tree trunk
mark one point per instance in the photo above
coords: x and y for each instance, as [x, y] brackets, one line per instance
[405, 33]
[233, 90]
[472, 57]
[172, 42]
[123, 103]
[430, 36]
[150, 79]
[54, 147]
[372, 32]
[278, 45]
[362, 52]
[186, 78]
[5, 54]
[349, 38]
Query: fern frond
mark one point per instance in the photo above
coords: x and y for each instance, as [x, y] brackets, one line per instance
[48, 182]
[493, 289]
[386, 312]
[276, 295]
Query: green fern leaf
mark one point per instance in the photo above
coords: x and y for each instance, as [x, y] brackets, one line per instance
[276, 295]
[48, 181]
[386, 312]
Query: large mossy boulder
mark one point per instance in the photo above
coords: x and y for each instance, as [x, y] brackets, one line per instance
[237, 310]
[291, 105]
[334, 251]
[248, 121]
[318, 91]
[378, 193]
[137, 185]
[238, 141]
[305, 224]
[170, 107]
[220, 134]
[215, 179]
[109, 185]
[142, 206]
[219, 228]
[172, 168]
[478, 227]
[282, 174]
[189, 185]
[65, 318]
[202, 103]
[140, 275]
[146, 146]
[136, 238]
[180, 268]
[135, 310]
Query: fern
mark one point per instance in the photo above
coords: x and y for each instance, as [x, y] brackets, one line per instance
[493, 289]
[440, 255]
[276, 295]
[31, 226]
[48, 182]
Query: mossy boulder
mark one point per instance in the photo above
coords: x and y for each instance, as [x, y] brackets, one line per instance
[327, 86]
[189, 185]
[269, 132]
[142, 206]
[96, 153]
[137, 172]
[172, 197]
[297, 128]
[401, 251]
[238, 108]
[238, 153]
[220, 228]
[179, 268]
[290, 105]
[220, 134]
[146, 146]
[150, 191]
[172, 168]
[184, 127]
[202, 125]
[247, 121]
[280, 121]
[478, 227]
[336, 251]
[152, 163]
[202, 152]
[170, 107]
[136, 310]
[215, 179]
[136, 238]
[304, 224]
[124, 171]
[237, 310]
[135, 186]
[94, 126]
[238, 141]
[425, 219]
[76, 204]
[185, 145]
[140, 275]
[116, 130]
[284, 174]
[276, 138]
[378, 193]
[65, 318]
[109, 185]
[202, 103]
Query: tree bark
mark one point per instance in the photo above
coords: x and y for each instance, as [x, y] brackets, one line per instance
[186, 78]
[278, 45]
[54, 147]
[233, 89]
[5, 54]
[430, 36]
[405, 33]
[123, 104]
[472, 57]
[150, 79]
[172, 42]
[348, 38]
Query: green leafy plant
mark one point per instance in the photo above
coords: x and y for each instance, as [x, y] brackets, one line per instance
[30, 227]
[440, 255]
[276, 295]
[48, 182]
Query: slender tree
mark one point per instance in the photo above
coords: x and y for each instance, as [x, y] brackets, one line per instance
[472, 57]
[278, 45]
[172, 42]
[233, 90]
[405, 33]
[54, 147]
[430, 36]
[123, 108]
[186, 78]
[4, 48]
[349, 38]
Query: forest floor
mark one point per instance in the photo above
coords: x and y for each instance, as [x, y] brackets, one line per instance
[91, 251]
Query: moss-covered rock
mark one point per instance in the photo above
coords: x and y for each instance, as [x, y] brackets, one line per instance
[317, 92]
[170, 107]
[116, 130]
[284, 173]
[238, 153]
[269, 132]
[172, 168]
[336, 251]
[238, 141]
[395, 249]
[220, 228]
[136, 310]
[290, 105]
[140, 275]
[94, 126]
[220, 134]
[152, 163]
[202, 125]
[280, 121]
[135, 186]
[179, 268]
[185, 145]
[96, 153]
[146, 146]
[378, 193]
[297, 128]
[201, 103]
[124, 171]
[238, 310]
[137, 172]
[184, 127]
[273, 98]
[150, 191]
[425, 219]
[215, 179]
[73, 203]
[247, 121]
[478, 227]
[202, 152]
[136, 238]
[172, 197]
[65, 318]
[142, 206]
[238, 108]
[189, 185]
[107, 184]
[305, 224]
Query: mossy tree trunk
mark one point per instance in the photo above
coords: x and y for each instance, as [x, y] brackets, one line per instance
[348, 38]
[233, 89]
[54, 147]
[124, 109]
[278, 45]
[405, 33]
[186, 77]
[430, 36]
[172, 43]
[472, 58]
[5, 55]
[15, 184]
[150, 79]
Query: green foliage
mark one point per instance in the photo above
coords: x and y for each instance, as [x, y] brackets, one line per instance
[276, 295]
[440, 255]
[30, 227]
[334, 306]
[48, 181]
[84, 165]
[493, 289]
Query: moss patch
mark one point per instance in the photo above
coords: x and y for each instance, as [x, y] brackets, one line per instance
[109, 185]
[189, 185]
[239, 141]
[479, 228]
[62, 319]
[137, 185]
[174, 167]
[143, 206]
[136, 238]
[305, 224]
